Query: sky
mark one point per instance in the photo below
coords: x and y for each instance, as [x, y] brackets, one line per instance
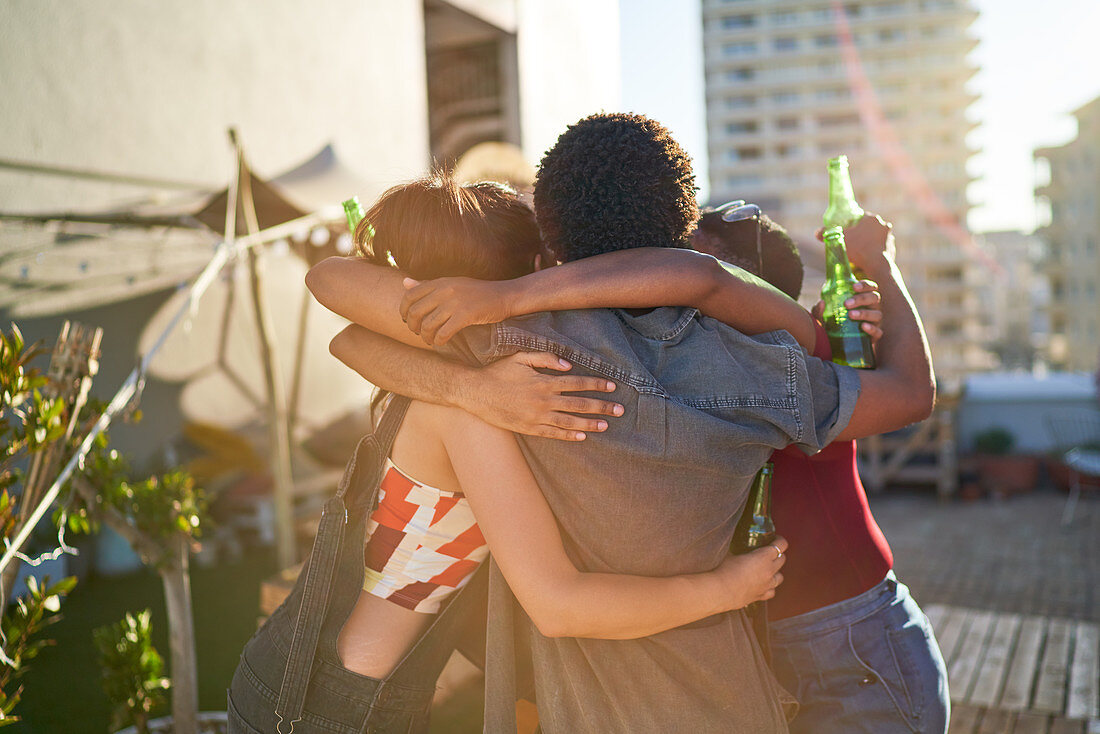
[1038, 63]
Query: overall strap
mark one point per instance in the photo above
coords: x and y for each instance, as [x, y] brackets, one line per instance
[370, 454]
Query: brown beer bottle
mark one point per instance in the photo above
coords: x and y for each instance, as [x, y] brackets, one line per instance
[755, 529]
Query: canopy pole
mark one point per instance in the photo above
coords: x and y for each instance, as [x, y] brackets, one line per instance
[286, 552]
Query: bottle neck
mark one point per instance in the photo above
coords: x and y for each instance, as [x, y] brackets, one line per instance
[353, 210]
[842, 209]
[762, 494]
[837, 266]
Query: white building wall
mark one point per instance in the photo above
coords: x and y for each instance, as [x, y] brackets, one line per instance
[150, 88]
[568, 66]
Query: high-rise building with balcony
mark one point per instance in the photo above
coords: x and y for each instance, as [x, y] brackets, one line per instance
[791, 83]
[1073, 242]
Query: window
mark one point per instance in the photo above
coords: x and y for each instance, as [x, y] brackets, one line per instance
[822, 15]
[787, 123]
[740, 101]
[786, 17]
[740, 75]
[786, 98]
[789, 151]
[739, 182]
[741, 48]
[785, 44]
[741, 126]
[738, 21]
[827, 40]
[891, 35]
[748, 154]
[830, 94]
[828, 121]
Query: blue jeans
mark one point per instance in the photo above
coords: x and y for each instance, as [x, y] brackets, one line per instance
[870, 663]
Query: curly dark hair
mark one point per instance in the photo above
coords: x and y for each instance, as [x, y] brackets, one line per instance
[612, 182]
[735, 243]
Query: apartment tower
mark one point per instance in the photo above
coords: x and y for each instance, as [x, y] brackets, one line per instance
[791, 83]
[1073, 241]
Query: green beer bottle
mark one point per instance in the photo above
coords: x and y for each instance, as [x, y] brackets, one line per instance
[842, 211]
[850, 344]
[353, 210]
[755, 529]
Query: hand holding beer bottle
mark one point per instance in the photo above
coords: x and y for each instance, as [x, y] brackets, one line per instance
[755, 529]
[850, 345]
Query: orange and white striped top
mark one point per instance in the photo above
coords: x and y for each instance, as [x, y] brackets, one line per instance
[424, 543]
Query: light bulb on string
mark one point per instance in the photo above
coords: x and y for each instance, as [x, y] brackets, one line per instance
[319, 237]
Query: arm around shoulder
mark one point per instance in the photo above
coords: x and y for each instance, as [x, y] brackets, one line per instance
[363, 293]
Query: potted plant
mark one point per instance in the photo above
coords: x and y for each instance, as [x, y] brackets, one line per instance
[133, 678]
[133, 670]
[1001, 472]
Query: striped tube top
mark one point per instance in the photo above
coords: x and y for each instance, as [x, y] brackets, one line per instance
[423, 543]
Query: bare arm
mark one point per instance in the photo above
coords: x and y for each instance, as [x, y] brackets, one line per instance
[902, 389]
[644, 277]
[562, 601]
[363, 293]
[510, 393]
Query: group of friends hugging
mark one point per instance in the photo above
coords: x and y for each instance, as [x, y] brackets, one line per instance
[573, 402]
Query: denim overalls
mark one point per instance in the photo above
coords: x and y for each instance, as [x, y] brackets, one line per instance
[290, 678]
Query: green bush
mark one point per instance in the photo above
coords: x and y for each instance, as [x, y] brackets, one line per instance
[133, 670]
[998, 441]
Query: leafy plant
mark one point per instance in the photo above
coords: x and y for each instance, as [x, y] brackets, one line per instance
[997, 441]
[21, 624]
[29, 422]
[28, 419]
[159, 516]
[133, 670]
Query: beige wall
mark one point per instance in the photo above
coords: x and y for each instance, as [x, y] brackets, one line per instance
[568, 66]
[149, 89]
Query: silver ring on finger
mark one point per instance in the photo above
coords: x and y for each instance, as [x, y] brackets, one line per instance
[777, 551]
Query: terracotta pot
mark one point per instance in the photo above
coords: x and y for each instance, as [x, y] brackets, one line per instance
[1059, 475]
[1008, 474]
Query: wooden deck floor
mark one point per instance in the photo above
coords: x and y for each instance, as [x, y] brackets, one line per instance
[1019, 674]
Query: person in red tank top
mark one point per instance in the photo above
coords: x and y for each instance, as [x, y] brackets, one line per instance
[847, 638]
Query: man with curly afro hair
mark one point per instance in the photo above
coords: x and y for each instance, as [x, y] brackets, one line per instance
[612, 182]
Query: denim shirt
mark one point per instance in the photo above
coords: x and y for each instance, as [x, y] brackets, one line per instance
[658, 493]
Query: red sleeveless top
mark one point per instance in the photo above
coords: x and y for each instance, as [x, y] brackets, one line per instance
[819, 505]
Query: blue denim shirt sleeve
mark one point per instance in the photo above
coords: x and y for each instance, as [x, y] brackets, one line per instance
[831, 392]
[808, 405]
[474, 345]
